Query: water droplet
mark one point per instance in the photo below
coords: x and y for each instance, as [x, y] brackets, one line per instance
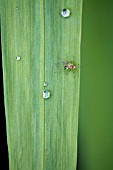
[65, 13]
[18, 58]
[46, 94]
[17, 7]
[45, 84]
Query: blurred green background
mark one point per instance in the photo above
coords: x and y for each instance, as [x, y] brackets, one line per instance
[95, 138]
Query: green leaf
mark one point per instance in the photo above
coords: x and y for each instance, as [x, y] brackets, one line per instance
[41, 133]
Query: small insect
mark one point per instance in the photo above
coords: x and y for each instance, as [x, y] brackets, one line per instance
[70, 66]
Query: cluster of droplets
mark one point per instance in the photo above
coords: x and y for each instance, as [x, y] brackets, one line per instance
[46, 93]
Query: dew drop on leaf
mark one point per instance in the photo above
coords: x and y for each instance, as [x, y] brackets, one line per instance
[18, 58]
[65, 13]
[45, 84]
[46, 94]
